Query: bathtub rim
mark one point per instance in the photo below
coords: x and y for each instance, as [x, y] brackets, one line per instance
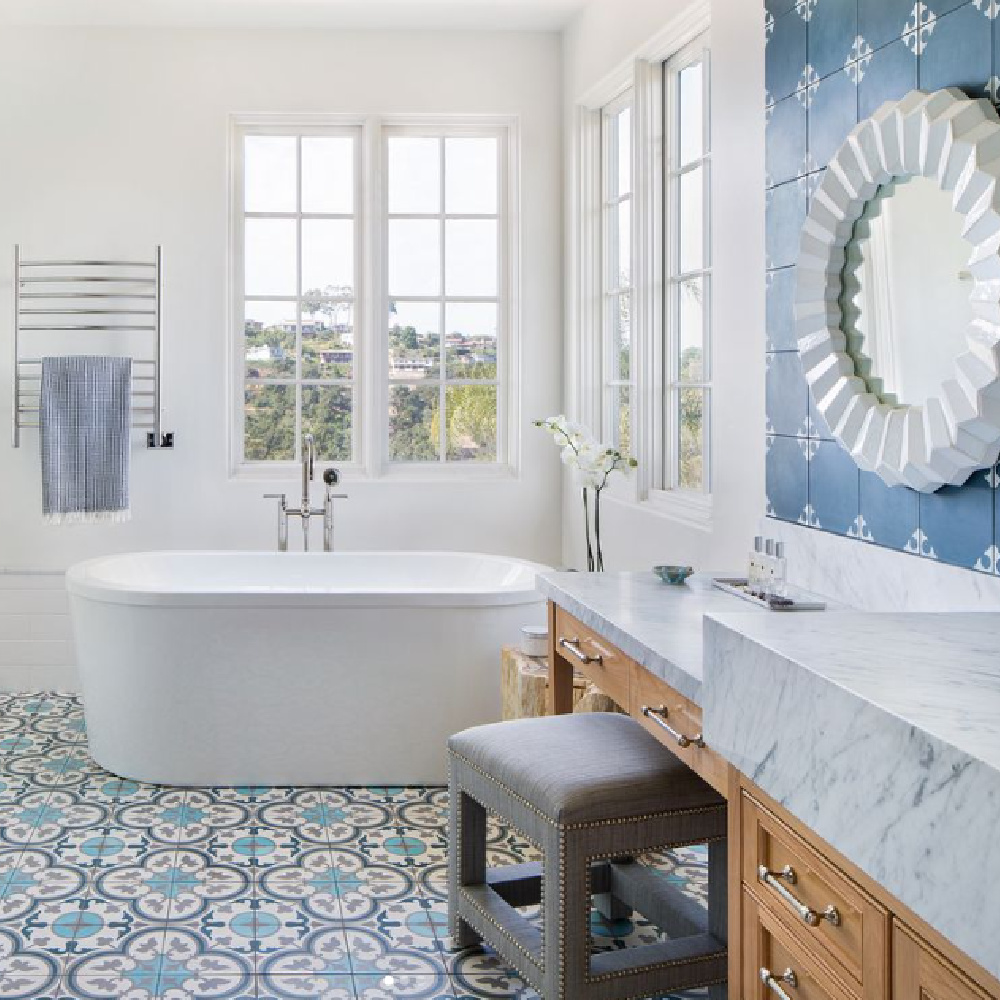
[80, 585]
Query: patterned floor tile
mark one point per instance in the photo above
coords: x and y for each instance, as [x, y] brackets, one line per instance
[306, 985]
[402, 986]
[22, 986]
[404, 847]
[115, 888]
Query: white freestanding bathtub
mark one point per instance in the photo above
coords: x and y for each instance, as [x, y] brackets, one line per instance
[210, 668]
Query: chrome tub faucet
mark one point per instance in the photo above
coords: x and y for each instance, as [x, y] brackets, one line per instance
[331, 477]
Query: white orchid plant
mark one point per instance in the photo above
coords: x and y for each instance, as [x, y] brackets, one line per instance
[593, 463]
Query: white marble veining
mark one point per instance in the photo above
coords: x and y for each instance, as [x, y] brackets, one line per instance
[880, 732]
[659, 626]
[878, 579]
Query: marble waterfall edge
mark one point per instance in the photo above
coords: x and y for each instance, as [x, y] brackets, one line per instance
[866, 730]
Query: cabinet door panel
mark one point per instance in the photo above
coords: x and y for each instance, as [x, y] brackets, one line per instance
[919, 973]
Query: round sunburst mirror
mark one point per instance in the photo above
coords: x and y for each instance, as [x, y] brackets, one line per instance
[898, 291]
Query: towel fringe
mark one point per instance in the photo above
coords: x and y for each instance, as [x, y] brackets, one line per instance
[89, 517]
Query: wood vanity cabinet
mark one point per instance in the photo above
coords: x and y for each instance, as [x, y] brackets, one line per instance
[804, 923]
[920, 973]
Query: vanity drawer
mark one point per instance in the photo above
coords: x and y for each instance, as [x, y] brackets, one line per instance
[609, 668]
[777, 966]
[805, 890]
[657, 705]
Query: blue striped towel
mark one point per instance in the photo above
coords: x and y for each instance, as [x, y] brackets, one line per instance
[84, 419]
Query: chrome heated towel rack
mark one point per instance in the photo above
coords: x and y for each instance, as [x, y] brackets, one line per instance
[122, 298]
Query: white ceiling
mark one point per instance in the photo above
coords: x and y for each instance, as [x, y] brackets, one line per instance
[511, 15]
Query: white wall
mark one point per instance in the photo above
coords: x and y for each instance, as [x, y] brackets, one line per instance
[604, 37]
[113, 140]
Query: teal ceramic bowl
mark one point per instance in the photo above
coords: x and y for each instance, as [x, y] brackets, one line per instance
[674, 575]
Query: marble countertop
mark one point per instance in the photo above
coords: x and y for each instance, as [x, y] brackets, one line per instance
[659, 626]
[880, 732]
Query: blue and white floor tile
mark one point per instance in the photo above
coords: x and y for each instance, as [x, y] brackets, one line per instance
[112, 888]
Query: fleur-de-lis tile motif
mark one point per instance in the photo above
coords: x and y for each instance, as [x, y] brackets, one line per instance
[993, 89]
[807, 87]
[805, 8]
[987, 562]
[920, 545]
[860, 530]
[858, 59]
[768, 26]
[919, 27]
[991, 8]
[808, 517]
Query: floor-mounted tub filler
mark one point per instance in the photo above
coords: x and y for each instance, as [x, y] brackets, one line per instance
[237, 668]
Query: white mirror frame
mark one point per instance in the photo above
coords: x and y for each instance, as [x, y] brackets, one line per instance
[954, 140]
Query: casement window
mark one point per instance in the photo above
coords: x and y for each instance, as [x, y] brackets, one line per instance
[687, 258]
[446, 267]
[297, 263]
[376, 317]
[616, 272]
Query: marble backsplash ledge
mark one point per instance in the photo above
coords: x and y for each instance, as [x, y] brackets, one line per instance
[872, 578]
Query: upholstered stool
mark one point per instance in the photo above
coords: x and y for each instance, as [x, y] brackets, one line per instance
[590, 792]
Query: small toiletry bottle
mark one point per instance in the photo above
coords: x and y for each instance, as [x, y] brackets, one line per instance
[780, 586]
[756, 565]
[767, 583]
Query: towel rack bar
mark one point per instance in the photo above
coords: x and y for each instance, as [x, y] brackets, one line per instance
[135, 409]
[96, 311]
[132, 296]
[66, 279]
[38, 361]
[137, 425]
[36, 393]
[88, 263]
[107, 296]
[55, 327]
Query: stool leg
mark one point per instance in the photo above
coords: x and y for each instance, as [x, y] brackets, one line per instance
[718, 912]
[466, 859]
[609, 906]
[566, 916]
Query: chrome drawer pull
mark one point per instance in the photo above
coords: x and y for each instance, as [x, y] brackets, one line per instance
[807, 913]
[573, 646]
[773, 982]
[659, 716]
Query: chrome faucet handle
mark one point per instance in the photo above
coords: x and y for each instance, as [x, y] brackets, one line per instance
[282, 519]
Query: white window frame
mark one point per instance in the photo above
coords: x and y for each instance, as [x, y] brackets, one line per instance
[669, 488]
[371, 301]
[504, 130]
[644, 74]
[612, 291]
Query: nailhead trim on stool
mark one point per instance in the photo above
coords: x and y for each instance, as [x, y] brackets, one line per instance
[587, 842]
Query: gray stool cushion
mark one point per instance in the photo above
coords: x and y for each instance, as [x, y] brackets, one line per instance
[584, 768]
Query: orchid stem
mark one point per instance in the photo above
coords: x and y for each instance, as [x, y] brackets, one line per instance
[586, 521]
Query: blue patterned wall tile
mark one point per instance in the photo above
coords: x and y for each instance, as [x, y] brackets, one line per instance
[956, 522]
[833, 28]
[780, 310]
[786, 214]
[890, 74]
[818, 427]
[957, 52]
[778, 7]
[833, 113]
[833, 488]
[786, 141]
[787, 478]
[890, 515]
[787, 395]
[786, 55]
[883, 21]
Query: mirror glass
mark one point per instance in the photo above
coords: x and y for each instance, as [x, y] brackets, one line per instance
[907, 286]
